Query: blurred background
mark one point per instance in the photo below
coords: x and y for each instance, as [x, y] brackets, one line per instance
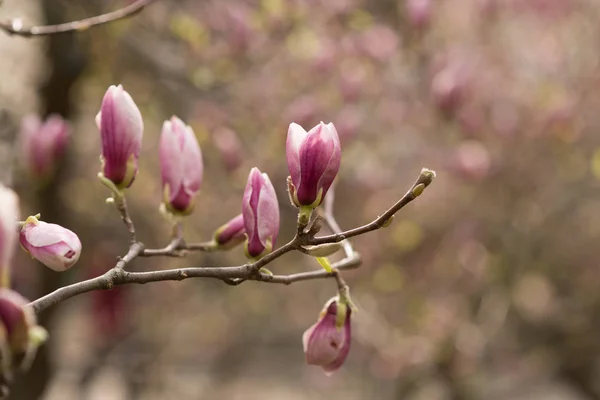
[486, 287]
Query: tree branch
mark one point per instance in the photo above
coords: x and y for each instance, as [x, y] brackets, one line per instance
[424, 180]
[329, 218]
[121, 204]
[236, 274]
[15, 26]
[346, 263]
[118, 276]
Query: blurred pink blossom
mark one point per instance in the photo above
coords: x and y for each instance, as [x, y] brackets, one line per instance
[43, 143]
[229, 147]
[472, 160]
[418, 13]
[380, 42]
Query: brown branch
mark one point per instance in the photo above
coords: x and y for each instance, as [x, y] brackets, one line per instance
[118, 276]
[424, 180]
[121, 204]
[134, 250]
[201, 246]
[174, 249]
[347, 263]
[231, 275]
[15, 26]
[236, 274]
[329, 218]
[178, 247]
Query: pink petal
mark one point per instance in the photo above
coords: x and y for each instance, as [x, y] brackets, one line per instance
[268, 212]
[315, 155]
[325, 342]
[9, 215]
[333, 166]
[192, 161]
[171, 167]
[296, 136]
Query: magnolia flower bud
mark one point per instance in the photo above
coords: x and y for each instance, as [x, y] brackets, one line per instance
[449, 85]
[42, 143]
[9, 215]
[419, 12]
[54, 246]
[260, 211]
[231, 234]
[121, 129]
[327, 342]
[16, 319]
[180, 166]
[313, 161]
[230, 148]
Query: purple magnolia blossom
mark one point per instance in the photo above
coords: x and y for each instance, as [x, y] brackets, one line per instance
[260, 211]
[327, 343]
[54, 246]
[121, 129]
[43, 143]
[231, 233]
[9, 215]
[313, 159]
[419, 12]
[16, 318]
[180, 165]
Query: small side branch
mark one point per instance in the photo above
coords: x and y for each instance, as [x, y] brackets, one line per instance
[424, 180]
[15, 26]
[121, 204]
[345, 264]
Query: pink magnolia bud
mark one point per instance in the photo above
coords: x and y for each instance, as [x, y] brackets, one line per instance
[473, 160]
[418, 12]
[121, 129]
[313, 161]
[16, 319]
[260, 211]
[230, 148]
[180, 166]
[449, 85]
[9, 215]
[42, 144]
[232, 233]
[327, 343]
[54, 246]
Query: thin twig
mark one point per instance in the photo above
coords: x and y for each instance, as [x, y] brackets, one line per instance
[351, 255]
[134, 250]
[201, 246]
[332, 223]
[15, 26]
[424, 180]
[121, 204]
[346, 263]
[339, 279]
[178, 247]
[173, 249]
